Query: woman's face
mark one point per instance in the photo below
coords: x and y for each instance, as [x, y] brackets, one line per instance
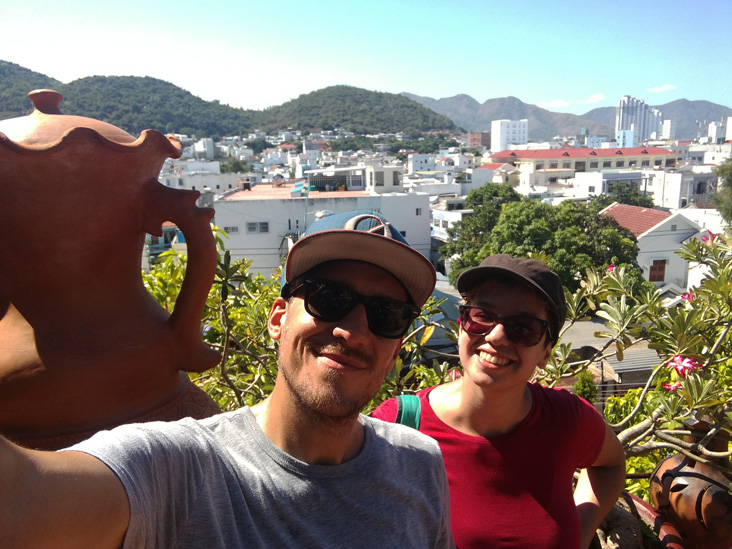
[493, 360]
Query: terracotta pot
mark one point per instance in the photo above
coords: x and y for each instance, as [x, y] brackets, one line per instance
[82, 344]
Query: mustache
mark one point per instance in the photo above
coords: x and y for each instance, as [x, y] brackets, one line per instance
[335, 347]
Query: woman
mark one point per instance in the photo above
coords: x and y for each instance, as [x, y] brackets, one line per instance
[511, 447]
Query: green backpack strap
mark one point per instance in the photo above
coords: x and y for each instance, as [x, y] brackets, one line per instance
[408, 410]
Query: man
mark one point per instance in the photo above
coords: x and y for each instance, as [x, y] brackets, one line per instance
[302, 468]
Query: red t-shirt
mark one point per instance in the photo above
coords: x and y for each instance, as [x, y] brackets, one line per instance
[515, 490]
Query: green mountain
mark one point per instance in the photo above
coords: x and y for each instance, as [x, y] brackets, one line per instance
[137, 103]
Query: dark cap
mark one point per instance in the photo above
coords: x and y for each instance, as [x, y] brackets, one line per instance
[533, 272]
[362, 236]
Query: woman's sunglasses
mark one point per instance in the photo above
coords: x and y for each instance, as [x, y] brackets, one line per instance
[520, 329]
[330, 302]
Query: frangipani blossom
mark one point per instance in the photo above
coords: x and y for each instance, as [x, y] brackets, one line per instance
[610, 269]
[708, 239]
[671, 386]
[683, 366]
[688, 297]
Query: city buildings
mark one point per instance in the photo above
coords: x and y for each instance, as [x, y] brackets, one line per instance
[508, 132]
[635, 122]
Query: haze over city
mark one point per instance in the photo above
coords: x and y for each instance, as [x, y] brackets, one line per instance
[563, 56]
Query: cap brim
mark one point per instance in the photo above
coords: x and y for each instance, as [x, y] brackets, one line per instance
[472, 277]
[409, 266]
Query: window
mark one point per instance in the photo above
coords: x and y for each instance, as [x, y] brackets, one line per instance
[591, 189]
[231, 230]
[593, 164]
[566, 165]
[539, 165]
[553, 165]
[606, 164]
[645, 163]
[418, 211]
[395, 178]
[180, 182]
[658, 271]
[258, 227]
[657, 162]
[673, 228]
[379, 179]
[632, 163]
[620, 164]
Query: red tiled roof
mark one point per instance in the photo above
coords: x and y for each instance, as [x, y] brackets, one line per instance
[490, 166]
[582, 153]
[634, 218]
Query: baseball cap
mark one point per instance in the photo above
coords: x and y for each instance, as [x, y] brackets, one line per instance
[533, 272]
[362, 236]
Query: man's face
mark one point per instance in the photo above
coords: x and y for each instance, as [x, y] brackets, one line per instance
[493, 360]
[335, 368]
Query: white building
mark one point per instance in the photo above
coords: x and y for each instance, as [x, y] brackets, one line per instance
[421, 163]
[634, 114]
[717, 131]
[508, 132]
[259, 222]
[204, 148]
[668, 130]
[660, 235]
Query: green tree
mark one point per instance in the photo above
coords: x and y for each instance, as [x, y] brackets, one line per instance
[584, 386]
[723, 198]
[570, 237]
[468, 237]
[624, 194]
[234, 166]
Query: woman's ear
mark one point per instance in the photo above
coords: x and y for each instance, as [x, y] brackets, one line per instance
[546, 356]
[276, 320]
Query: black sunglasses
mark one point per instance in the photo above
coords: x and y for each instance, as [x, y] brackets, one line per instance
[524, 330]
[329, 301]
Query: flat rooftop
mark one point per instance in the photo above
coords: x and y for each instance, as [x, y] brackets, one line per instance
[267, 191]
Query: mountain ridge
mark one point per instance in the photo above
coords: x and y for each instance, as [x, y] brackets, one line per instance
[545, 124]
[136, 103]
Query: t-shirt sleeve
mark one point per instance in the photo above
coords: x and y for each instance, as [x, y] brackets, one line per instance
[386, 411]
[161, 477]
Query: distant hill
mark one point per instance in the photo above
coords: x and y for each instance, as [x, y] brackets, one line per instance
[15, 83]
[467, 113]
[137, 103]
[357, 110]
[692, 117]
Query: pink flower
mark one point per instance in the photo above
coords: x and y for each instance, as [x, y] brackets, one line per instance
[610, 269]
[683, 366]
[708, 239]
[671, 386]
[688, 297]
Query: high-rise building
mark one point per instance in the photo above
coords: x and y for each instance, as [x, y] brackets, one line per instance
[508, 132]
[634, 114]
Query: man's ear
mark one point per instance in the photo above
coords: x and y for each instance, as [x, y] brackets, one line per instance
[276, 318]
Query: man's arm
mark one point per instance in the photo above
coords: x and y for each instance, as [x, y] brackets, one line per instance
[65, 499]
[600, 486]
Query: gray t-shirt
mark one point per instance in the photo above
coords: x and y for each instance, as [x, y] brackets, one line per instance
[220, 482]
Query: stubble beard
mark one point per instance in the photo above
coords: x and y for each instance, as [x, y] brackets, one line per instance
[322, 399]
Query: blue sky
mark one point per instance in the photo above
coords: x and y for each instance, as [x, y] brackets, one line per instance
[565, 56]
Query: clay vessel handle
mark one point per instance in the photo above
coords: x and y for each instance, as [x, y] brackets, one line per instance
[179, 206]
